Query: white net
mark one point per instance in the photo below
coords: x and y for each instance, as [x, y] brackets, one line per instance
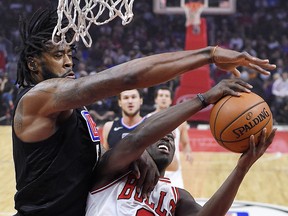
[193, 12]
[96, 12]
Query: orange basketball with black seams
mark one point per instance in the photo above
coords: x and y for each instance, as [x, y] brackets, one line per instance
[234, 119]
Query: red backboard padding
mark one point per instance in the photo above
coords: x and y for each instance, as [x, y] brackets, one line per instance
[198, 80]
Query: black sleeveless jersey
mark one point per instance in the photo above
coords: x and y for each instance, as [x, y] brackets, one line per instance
[118, 131]
[53, 176]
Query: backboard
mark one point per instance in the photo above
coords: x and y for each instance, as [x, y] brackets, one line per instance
[212, 7]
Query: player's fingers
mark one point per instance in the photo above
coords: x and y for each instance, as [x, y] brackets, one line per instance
[234, 88]
[236, 72]
[267, 66]
[271, 136]
[252, 145]
[262, 142]
[242, 83]
[149, 185]
[253, 59]
[260, 69]
[141, 182]
[263, 63]
[135, 170]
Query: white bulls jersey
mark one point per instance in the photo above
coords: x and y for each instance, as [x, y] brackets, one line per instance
[120, 198]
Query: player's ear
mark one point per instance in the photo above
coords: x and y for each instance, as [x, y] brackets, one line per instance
[32, 64]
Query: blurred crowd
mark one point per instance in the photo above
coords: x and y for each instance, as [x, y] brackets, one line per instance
[258, 27]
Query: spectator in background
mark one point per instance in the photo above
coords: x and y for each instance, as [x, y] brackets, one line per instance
[280, 92]
[154, 33]
[101, 111]
[3, 55]
[7, 90]
[255, 80]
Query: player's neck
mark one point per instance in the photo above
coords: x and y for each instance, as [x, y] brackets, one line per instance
[162, 173]
[132, 120]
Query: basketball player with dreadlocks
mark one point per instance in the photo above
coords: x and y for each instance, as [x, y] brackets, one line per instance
[55, 141]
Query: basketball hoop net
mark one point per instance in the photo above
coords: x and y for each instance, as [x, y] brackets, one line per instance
[80, 19]
[193, 12]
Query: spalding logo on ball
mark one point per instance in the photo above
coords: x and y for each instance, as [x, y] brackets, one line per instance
[234, 119]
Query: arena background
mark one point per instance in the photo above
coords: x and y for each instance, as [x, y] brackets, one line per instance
[258, 27]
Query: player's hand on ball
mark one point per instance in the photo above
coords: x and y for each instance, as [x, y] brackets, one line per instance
[229, 60]
[226, 87]
[256, 150]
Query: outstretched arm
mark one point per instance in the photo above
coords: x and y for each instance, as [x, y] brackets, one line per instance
[221, 201]
[57, 97]
[158, 125]
[139, 73]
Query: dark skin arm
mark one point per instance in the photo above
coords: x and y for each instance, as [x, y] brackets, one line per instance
[56, 97]
[144, 168]
[223, 198]
[118, 159]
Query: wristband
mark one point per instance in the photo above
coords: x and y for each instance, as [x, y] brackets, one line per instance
[202, 100]
[213, 54]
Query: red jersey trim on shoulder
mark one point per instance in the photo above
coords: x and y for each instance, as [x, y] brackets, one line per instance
[92, 127]
[176, 193]
[165, 179]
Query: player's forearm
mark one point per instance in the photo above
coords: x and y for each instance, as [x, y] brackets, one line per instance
[222, 200]
[151, 130]
[163, 122]
[140, 73]
[156, 69]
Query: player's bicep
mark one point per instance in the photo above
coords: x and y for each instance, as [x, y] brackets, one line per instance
[111, 164]
[122, 155]
[186, 204]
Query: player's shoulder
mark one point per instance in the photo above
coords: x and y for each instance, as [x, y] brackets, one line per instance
[186, 204]
[108, 125]
[40, 93]
[185, 197]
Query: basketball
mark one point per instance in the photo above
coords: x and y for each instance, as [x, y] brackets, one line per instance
[234, 119]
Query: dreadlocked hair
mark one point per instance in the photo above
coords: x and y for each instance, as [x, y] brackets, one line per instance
[34, 34]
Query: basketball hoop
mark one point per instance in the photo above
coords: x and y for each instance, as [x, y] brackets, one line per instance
[80, 19]
[193, 12]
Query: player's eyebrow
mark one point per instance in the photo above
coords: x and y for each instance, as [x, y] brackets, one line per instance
[171, 136]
